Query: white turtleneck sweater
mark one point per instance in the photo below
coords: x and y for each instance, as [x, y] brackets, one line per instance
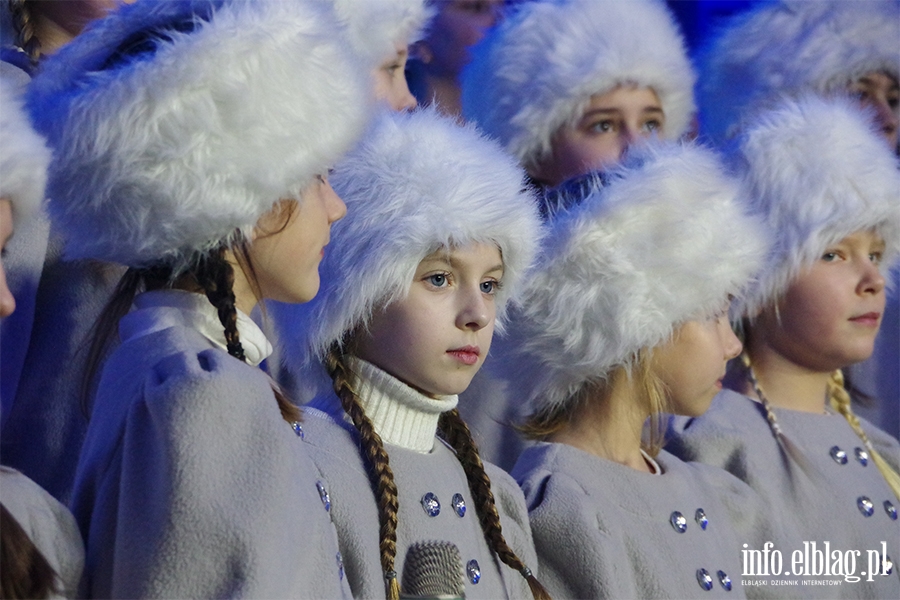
[433, 495]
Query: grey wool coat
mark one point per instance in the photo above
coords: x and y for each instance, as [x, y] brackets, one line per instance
[839, 497]
[190, 484]
[335, 449]
[605, 530]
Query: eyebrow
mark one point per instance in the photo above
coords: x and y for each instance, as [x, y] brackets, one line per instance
[454, 264]
[615, 111]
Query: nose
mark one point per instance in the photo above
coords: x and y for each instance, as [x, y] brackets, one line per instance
[628, 135]
[872, 280]
[730, 342]
[885, 117]
[403, 100]
[335, 207]
[475, 311]
[7, 302]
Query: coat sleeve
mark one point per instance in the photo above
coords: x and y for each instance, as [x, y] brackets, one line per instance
[202, 506]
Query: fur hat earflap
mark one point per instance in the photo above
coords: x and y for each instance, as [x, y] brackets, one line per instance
[788, 46]
[175, 124]
[23, 155]
[666, 240]
[375, 26]
[417, 183]
[537, 70]
[816, 171]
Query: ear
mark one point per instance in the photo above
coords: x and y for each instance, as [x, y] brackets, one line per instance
[420, 51]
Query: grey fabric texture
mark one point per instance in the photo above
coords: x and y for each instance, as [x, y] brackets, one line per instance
[50, 526]
[191, 485]
[603, 530]
[816, 504]
[334, 448]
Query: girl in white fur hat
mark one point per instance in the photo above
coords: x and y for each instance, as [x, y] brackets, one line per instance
[42, 553]
[439, 236]
[827, 187]
[568, 85]
[190, 139]
[381, 31]
[625, 319]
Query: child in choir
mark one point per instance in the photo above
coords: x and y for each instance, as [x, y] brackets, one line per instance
[827, 187]
[190, 144]
[626, 319]
[439, 236]
[791, 46]
[41, 553]
[568, 85]
[381, 31]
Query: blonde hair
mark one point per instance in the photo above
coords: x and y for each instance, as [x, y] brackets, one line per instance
[540, 425]
[839, 399]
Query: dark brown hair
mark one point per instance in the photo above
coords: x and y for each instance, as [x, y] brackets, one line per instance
[452, 429]
[24, 571]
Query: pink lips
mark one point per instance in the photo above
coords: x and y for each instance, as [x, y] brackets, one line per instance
[467, 355]
[870, 319]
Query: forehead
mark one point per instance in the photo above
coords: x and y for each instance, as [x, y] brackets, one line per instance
[879, 80]
[475, 254]
[626, 96]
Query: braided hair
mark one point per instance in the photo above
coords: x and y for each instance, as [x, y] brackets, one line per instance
[456, 433]
[23, 22]
[210, 274]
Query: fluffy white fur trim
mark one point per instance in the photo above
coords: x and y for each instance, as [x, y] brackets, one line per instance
[664, 242]
[417, 182]
[168, 153]
[816, 171]
[787, 46]
[23, 155]
[374, 26]
[537, 70]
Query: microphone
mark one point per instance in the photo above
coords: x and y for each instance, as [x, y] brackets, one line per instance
[433, 569]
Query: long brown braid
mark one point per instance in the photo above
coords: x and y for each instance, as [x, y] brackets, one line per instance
[213, 275]
[839, 399]
[379, 467]
[456, 433]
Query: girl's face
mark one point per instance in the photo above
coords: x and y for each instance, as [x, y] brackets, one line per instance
[7, 302]
[607, 127]
[286, 254]
[437, 338]
[881, 93]
[390, 81]
[692, 364]
[829, 316]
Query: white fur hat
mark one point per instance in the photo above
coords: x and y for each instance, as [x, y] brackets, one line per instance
[23, 155]
[787, 46]
[664, 241]
[538, 69]
[176, 123]
[374, 26]
[417, 182]
[816, 171]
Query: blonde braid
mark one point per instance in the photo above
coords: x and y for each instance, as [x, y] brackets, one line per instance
[840, 401]
[790, 449]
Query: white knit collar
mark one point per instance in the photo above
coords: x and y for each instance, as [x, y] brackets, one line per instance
[654, 466]
[161, 309]
[401, 415]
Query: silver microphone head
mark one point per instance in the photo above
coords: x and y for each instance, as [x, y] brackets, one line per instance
[433, 569]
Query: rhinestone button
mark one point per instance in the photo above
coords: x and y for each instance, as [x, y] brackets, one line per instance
[323, 495]
[701, 519]
[839, 456]
[340, 563]
[725, 580]
[473, 571]
[678, 522]
[298, 429]
[431, 504]
[459, 505]
[865, 506]
[887, 566]
[890, 509]
[704, 579]
[862, 456]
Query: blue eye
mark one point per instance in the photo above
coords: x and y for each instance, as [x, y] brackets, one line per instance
[653, 125]
[875, 257]
[829, 256]
[437, 280]
[604, 126]
[490, 287]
